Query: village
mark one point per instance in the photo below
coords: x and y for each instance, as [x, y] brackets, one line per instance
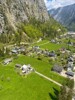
[50, 61]
[63, 59]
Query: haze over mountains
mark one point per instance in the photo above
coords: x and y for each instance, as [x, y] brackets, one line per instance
[65, 15]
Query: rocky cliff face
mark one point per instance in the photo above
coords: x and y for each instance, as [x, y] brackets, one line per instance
[13, 12]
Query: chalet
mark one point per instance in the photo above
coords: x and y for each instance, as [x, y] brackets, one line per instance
[7, 61]
[26, 69]
[36, 49]
[70, 73]
[52, 54]
[70, 59]
[70, 65]
[57, 68]
[17, 50]
[14, 51]
[62, 50]
[18, 65]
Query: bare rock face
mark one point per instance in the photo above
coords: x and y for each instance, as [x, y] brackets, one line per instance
[13, 12]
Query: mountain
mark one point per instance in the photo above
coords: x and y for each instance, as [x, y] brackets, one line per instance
[65, 15]
[13, 12]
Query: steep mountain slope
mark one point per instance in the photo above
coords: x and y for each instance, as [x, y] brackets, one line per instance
[65, 15]
[13, 12]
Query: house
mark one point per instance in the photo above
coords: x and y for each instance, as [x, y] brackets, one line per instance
[57, 68]
[17, 50]
[70, 65]
[21, 50]
[18, 65]
[70, 73]
[26, 69]
[52, 54]
[7, 61]
[36, 49]
[14, 51]
[70, 59]
[62, 50]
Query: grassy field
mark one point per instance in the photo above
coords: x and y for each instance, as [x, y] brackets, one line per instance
[40, 66]
[31, 87]
[46, 44]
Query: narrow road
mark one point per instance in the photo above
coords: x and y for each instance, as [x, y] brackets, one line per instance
[47, 78]
[44, 43]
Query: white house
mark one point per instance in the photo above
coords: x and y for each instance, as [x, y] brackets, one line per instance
[26, 68]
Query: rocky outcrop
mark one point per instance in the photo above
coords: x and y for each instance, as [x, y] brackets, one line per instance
[13, 12]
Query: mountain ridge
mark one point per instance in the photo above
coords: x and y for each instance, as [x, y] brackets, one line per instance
[65, 15]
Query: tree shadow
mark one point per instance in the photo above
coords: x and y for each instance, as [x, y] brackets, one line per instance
[55, 96]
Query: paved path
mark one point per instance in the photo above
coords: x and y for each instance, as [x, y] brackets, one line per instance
[47, 78]
[44, 43]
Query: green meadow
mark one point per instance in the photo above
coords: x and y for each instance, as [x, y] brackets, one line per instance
[13, 86]
[31, 87]
[46, 44]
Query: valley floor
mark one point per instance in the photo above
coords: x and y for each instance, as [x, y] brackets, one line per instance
[43, 83]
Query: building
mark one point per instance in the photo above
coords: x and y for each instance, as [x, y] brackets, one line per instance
[7, 61]
[18, 65]
[36, 48]
[51, 54]
[70, 64]
[26, 69]
[70, 73]
[14, 51]
[57, 68]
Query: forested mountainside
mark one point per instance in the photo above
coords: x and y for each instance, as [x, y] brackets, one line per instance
[25, 18]
[65, 15]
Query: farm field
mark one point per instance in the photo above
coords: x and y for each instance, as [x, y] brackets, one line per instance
[40, 66]
[31, 87]
[46, 44]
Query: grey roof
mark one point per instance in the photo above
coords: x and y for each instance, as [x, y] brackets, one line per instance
[14, 51]
[7, 60]
[18, 65]
[51, 54]
[70, 59]
[70, 73]
[57, 68]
